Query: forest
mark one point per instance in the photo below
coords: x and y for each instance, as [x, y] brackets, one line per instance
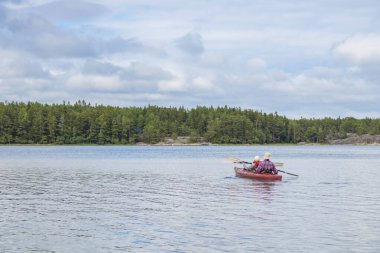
[83, 123]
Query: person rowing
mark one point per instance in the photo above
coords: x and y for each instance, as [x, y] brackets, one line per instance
[266, 166]
[254, 165]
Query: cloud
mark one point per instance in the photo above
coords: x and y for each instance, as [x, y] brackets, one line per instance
[191, 43]
[213, 59]
[359, 49]
[101, 68]
[3, 15]
[96, 83]
[176, 85]
[118, 44]
[325, 85]
[256, 64]
[13, 65]
[22, 69]
[134, 70]
[202, 83]
[71, 10]
[136, 77]
[146, 72]
[12, 1]
[267, 56]
[40, 37]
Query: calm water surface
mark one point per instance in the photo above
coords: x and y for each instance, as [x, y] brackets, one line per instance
[187, 199]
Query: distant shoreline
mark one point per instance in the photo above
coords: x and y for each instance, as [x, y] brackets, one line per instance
[184, 145]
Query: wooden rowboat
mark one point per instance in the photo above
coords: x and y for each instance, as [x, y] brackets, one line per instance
[257, 176]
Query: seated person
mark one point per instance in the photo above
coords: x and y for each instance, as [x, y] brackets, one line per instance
[254, 165]
[266, 166]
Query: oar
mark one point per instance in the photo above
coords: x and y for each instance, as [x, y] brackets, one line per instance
[236, 160]
[287, 173]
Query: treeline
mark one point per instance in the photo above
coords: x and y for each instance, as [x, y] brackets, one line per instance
[82, 123]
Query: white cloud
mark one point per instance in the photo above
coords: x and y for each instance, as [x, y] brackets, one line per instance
[213, 59]
[13, 65]
[147, 72]
[202, 83]
[96, 83]
[256, 64]
[359, 49]
[172, 85]
[14, 87]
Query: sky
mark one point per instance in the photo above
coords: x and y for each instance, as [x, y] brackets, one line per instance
[297, 58]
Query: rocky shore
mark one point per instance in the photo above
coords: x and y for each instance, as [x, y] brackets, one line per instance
[179, 141]
[354, 139]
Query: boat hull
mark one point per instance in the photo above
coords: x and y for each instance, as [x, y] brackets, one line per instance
[249, 174]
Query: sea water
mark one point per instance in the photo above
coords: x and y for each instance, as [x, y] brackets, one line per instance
[187, 199]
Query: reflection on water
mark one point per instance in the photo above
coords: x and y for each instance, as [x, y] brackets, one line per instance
[185, 199]
[264, 189]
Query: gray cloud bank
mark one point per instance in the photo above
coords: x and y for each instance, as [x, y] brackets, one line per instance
[299, 59]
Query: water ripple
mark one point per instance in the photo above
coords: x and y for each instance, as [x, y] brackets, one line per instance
[186, 204]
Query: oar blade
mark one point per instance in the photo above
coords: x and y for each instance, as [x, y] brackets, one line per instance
[233, 159]
[236, 160]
